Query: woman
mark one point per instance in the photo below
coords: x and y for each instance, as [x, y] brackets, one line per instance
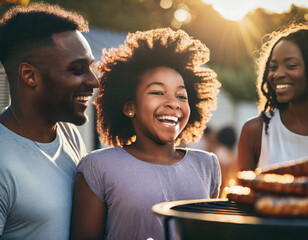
[280, 133]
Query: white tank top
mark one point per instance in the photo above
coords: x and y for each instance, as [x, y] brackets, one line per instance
[280, 144]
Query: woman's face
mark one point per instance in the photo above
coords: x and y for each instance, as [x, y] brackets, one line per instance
[161, 108]
[287, 73]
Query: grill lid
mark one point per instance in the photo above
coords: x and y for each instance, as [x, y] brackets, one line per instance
[223, 211]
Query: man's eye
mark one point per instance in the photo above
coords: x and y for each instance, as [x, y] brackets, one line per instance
[78, 70]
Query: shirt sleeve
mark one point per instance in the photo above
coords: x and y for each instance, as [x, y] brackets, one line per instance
[80, 143]
[216, 178]
[93, 173]
[4, 204]
[73, 136]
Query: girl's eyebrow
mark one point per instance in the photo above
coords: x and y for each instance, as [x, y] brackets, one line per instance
[161, 84]
[154, 83]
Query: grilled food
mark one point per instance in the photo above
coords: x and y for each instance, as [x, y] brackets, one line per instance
[274, 183]
[296, 168]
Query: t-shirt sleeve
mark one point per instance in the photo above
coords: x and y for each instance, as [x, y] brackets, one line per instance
[91, 169]
[71, 132]
[4, 203]
[216, 178]
[80, 143]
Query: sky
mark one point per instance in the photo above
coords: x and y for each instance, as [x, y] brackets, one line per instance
[237, 9]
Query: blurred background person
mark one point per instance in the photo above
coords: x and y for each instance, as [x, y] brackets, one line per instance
[222, 143]
[226, 141]
[208, 141]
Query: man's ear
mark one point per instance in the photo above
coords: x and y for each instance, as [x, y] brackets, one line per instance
[28, 74]
[129, 109]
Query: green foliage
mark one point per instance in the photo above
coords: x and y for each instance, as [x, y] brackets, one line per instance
[240, 83]
[119, 15]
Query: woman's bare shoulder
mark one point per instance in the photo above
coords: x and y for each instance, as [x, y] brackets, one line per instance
[253, 125]
[250, 144]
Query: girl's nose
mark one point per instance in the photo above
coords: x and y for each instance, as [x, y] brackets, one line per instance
[172, 103]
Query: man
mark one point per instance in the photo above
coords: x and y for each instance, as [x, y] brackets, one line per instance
[48, 64]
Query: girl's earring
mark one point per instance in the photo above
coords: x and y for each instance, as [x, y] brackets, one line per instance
[130, 114]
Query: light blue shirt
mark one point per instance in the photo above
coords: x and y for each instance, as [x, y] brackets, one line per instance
[36, 184]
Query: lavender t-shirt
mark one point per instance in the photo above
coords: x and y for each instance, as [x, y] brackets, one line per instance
[130, 187]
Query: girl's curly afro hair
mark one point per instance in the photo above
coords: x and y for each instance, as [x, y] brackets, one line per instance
[122, 67]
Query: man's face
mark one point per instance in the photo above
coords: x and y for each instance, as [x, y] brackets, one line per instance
[66, 78]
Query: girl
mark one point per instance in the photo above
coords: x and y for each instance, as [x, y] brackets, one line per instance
[153, 95]
[280, 133]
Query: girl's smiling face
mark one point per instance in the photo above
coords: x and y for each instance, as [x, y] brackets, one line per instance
[287, 72]
[161, 109]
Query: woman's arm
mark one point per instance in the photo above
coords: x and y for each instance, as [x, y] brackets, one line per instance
[249, 146]
[89, 212]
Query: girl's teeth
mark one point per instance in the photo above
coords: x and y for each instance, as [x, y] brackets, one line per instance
[170, 123]
[169, 118]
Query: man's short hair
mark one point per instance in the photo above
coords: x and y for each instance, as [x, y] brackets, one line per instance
[24, 29]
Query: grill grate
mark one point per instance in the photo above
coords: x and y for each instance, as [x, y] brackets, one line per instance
[219, 207]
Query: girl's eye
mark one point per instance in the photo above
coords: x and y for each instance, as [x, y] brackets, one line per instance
[156, 93]
[272, 67]
[182, 97]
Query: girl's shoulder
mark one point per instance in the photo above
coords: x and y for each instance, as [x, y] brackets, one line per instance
[101, 156]
[201, 156]
[105, 152]
[198, 152]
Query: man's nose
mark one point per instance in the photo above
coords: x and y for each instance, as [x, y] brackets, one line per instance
[92, 80]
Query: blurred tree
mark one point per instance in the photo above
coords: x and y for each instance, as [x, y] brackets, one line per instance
[240, 83]
[23, 2]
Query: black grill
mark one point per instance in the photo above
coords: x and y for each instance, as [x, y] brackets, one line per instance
[223, 207]
[223, 219]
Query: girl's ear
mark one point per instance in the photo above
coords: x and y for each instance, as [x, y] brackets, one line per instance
[129, 109]
[28, 74]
